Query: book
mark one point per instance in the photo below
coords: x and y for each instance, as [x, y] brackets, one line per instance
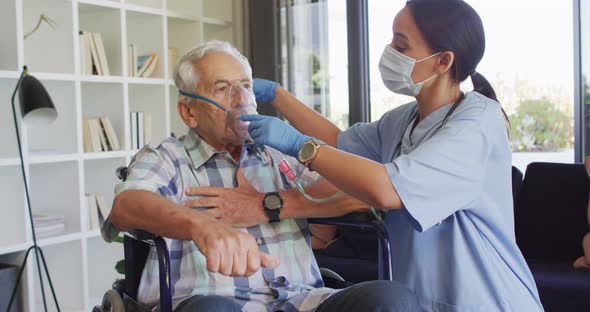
[132, 61]
[85, 53]
[146, 65]
[97, 128]
[94, 130]
[87, 140]
[94, 53]
[152, 66]
[140, 130]
[93, 220]
[48, 225]
[102, 57]
[134, 130]
[110, 133]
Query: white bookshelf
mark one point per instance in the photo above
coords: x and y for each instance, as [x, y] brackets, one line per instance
[60, 173]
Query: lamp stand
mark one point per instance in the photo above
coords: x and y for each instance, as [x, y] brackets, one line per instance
[38, 251]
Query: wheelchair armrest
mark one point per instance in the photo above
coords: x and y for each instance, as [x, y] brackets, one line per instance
[109, 233]
[141, 235]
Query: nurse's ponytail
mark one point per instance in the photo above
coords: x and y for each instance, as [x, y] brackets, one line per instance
[483, 86]
[453, 25]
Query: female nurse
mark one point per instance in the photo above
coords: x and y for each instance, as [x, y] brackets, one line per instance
[439, 166]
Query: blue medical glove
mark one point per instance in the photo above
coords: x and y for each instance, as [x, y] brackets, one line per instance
[271, 131]
[265, 90]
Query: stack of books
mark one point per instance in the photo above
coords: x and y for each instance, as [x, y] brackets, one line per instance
[48, 225]
[143, 65]
[92, 53]
[141, 129]
[98, 211]
[99, 135]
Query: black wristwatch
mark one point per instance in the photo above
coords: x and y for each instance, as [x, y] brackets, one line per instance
[272, 204]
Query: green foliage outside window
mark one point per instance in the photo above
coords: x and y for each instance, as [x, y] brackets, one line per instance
[538, 125]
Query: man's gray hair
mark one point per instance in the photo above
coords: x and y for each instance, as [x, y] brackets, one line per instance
[186, 77]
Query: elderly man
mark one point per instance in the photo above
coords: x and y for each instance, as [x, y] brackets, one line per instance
[215, 267]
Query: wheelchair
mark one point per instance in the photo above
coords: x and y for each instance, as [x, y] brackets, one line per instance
[136, 244]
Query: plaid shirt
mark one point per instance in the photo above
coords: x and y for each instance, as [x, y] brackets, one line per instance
[296, 285]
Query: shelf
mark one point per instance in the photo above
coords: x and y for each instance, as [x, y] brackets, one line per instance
[51, 76]
[182, 16]
[217, 22]
[14, 248]
[44, 159]
[103, 3]
[93, 234]
[9, 74]
[59, 239]
[143, 9]
[105, 155]
[7, 162]
[154, 4]
[148, 81]
[100, 78]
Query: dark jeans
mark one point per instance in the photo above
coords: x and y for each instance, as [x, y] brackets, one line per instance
[378, 296]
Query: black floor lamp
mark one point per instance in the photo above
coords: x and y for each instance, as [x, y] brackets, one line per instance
[36, 108]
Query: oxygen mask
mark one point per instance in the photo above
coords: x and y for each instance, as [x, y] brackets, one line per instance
[241, 101]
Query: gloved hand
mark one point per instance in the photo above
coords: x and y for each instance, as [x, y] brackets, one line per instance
[271, 131]
[265, 90]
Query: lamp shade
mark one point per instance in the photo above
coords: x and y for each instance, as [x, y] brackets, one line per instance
[35, 104]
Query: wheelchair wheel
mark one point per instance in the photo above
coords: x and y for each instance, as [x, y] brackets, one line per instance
[111, 302]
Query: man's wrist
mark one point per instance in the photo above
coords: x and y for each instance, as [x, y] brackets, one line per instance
[261, 213]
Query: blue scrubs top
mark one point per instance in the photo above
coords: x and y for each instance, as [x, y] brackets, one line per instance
[453, 242]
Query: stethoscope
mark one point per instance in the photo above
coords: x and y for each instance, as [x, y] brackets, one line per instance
[398, 148]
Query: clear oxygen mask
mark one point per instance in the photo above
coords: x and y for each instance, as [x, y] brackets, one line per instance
[241, 101]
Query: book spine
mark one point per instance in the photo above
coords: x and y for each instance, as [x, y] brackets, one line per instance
[134, 131]
[140, 129]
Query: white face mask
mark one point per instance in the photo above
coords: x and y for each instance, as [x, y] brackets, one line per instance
[396, 72]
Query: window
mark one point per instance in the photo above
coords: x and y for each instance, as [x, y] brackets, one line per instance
[381, 15]
[314, 56]
[529, 62]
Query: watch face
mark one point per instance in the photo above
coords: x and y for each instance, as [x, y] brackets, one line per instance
[307, 151]
[272, 202]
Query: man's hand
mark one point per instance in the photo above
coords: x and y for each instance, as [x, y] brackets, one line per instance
[240, 207]
[230, 252]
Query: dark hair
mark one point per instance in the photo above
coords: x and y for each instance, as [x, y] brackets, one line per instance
[453, 25]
